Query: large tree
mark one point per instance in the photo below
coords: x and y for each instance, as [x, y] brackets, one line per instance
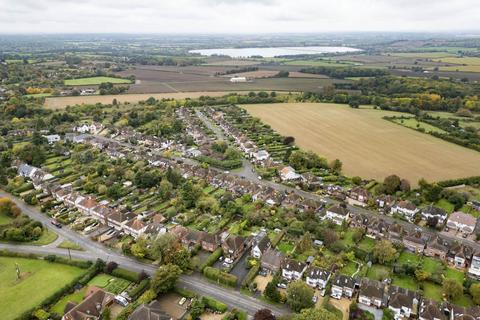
[384, 252]
[299, 296]
[452, 289]
[165, 278]
[391, 183]
[475, 292]
[9, 208]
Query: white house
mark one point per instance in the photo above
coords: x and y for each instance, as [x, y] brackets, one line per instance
[343, 286]
[434, 212]
[289, 174]
[338, 214]
[371, 293]
[52, 138]
[474, 270]
[293, 270]
[83, 128]
[135, 228]
[406, 209]
[259, 246]
[260, 155]
[317, 278]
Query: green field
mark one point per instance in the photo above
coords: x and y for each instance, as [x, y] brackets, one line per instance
[414, 124]
[39, 280]
[94, 81]
[4, 219]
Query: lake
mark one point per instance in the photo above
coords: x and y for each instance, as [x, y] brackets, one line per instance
[272, 51]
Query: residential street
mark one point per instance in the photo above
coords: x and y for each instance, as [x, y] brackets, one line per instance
[94, 250]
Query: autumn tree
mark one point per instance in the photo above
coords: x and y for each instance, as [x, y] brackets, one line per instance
[384, 252]
[165, 278]
[299, 296]
[475, 292]
[315, 314]
[452, 289]
[9, 208]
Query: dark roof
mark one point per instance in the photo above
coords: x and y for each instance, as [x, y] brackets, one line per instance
[263, 244]
[152, 311]
[400, 297]
[434, 211]
[293, 265]
[338, 210]
[317, 273]
[431, 310]
[344, 281]
[272, 257]
[91, 306]
[372, 288]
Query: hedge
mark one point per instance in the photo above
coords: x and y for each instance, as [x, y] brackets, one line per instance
[125, 274]
[460, 181]
[8, 253]
[277, 238]
[139, 289]
[250, 275]
[223, 164]
[76, 263]
[220, 276]
[212, 258]
[185, 293]
[214, 304]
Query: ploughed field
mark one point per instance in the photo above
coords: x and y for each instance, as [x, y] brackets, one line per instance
[368, 145]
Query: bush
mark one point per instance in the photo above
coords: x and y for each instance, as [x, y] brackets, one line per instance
[125, 274]
[220, 276]
[215, 305]
[185, 293]
[110, 267]
[212, 259]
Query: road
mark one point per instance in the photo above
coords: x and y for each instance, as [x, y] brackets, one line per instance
[94, 250]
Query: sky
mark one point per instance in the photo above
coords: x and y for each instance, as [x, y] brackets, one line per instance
[237, 16]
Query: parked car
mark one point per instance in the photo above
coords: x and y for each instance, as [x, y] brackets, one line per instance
[282, 284]
[314, 299]
[56, 223]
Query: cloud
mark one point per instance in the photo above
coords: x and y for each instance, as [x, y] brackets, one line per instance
[236, 16]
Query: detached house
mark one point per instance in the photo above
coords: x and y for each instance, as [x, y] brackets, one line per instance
[272, 260]
[372, 293]
[385, 201]
[289, 174]
[432, 212]
[293, 270]
[233, 247]
[406, 209]
[404, 303]
[338, 214]
[462, 222]
[91, 307]
[343, 286]
[317, 278]
[359, 196]
[260, 246]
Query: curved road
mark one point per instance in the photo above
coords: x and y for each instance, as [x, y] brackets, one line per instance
[94, 250]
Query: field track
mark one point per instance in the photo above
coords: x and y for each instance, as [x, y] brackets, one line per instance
[368, 145]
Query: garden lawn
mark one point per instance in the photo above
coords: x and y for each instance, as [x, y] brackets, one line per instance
[285, 247]
[432, 291]
[378, 272]
[454, 274]
[445, 205]
[405, 281]
[349, 269]
[367, 244]
[39, 280]
[408, 257]
[431, 265]
[94, 81]
[110, 283]
[76, 297]
[4, 219]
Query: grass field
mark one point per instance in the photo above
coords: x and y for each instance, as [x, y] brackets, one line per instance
[62, 102]
[415, 124]
[94, 81]
[368, 145]
[39, 280]
[4, 219]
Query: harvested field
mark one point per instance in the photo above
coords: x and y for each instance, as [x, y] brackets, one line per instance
[62, 102]
[254, 74]
[368, 145]
[295, 74]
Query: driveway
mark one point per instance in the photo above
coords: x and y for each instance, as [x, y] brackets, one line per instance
[378, 313]
[240, 269]
[342, 305]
